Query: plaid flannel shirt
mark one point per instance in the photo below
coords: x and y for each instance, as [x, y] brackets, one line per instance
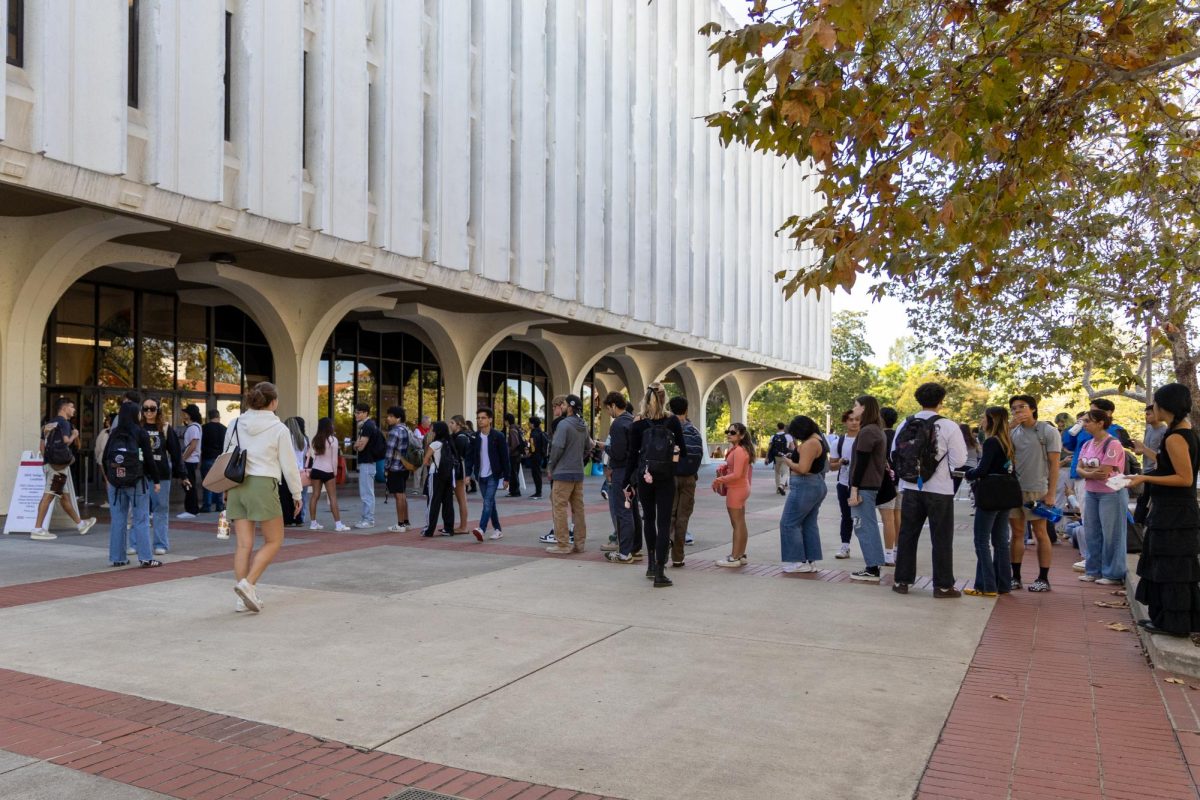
[397, 443]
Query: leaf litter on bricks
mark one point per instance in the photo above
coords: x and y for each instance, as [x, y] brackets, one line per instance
[1115, 604]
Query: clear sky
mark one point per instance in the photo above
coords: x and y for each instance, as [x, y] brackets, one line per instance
[886, 319]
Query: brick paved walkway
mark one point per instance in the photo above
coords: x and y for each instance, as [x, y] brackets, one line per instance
[1057, 705]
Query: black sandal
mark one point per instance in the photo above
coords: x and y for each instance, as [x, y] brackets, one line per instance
[120, 563]
[154, 562]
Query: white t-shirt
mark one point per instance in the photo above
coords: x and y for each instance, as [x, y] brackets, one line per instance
[436, 447]
[192, 434]
[841, 446]
[485, 460]
[951, 449]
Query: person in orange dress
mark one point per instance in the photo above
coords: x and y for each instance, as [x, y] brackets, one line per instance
[736, 481]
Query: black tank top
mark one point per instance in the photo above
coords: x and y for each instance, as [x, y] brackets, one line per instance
[817, 467]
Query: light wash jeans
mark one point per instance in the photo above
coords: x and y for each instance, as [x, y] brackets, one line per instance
[125, 501]
[993, 557]
[1104, 529]
[866, 527]
[366, 491]
[799, 537]
[160, 510]
[487, 490]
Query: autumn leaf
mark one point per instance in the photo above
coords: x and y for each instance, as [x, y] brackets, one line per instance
[1175, 681]
[1003, 697]
[826, 35]
[822, 145]
[1118, 626]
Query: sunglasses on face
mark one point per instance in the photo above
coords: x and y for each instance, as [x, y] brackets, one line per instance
[150, 409]
[731, 433]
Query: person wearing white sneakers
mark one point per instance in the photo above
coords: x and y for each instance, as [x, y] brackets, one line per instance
[168, 463]
[191, 461]
[58, 436]
[841, 449]
[255, 502]
[805, 459]
[397, 468]
[1102, 457]
[489, 464]
[323, 468]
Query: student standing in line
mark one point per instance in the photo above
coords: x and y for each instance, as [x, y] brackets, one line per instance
[889, 512]
[1036, 445]
[168, 463]
[323, 473]
[568, 448]
[1148, 447]
[655, 442]
[396, 471]
[618, 451]
[489, 460]
[371, 448]
[192, 435]
[993, 570]
[868, 467]
[461, 443]
[691, 456]
[777, 450]
[974, 451]
[516, 453]
[126, 455]
[1104, 522]
[440, 464]
[270, 459]
[738, 475]
[927, 448]
[98, 454]
[57, 438]
[295, 426]
[212, 438]
[539, 445]
[799, 536]
[841, 448]
[1168, 568]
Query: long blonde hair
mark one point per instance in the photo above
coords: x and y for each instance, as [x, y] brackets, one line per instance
[654, 406]
[997, 425]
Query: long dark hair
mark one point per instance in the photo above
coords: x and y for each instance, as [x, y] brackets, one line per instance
[128, 419]
[1176, 399]
[441, 431]
[968, 438]
[870, 411]
[802, 427]
[746, 442]
[322, 436]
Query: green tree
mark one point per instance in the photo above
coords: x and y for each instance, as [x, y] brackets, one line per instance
[852, 373]
[773, 403]
[1027, 171]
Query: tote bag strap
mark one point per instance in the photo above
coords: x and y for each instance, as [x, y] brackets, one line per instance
[236, 441]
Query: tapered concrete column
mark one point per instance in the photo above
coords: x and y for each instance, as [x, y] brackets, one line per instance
[297, 317]
[571, 358]
[644, 367]
[462, 342]
[40, 257]
[741, 386]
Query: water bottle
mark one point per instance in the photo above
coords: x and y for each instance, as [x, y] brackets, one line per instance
[222, 526]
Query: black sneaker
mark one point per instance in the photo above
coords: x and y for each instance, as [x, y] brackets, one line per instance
[1039, 586]
[865, 575]
[943, 594]
[900, 588]
[1016, 585]
[604, 493]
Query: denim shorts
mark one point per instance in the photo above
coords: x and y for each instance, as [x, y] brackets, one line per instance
[256, 499]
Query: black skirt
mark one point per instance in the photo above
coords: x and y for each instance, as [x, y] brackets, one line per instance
[1169, 567]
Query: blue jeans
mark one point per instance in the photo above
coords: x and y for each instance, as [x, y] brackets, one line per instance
[125, 501]
[1104, 529]
[866, 525]
[160, 510]
[799, 538]
[487, 490]
[622, 516]
[212, 501]
[366, 490]
[993, 558]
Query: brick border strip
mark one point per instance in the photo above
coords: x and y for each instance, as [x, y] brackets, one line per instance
[197, 755]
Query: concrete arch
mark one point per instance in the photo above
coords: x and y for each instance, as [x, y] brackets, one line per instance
[297, 317]
[40, 258]
[571, 358]
[462, 342]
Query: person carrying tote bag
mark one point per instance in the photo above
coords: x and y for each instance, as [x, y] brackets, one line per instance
[997, 491]
[269, 457]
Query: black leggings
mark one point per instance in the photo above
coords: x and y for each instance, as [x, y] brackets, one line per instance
[657, 499]
[535, 468]
[441, 498]
[843, 493]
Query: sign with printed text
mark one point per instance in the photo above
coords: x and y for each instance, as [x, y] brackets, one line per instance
[27, 494]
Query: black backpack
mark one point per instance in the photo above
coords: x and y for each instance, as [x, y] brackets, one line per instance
[55, 451]
[123, 460]
[658, 451]
[376, 449]
[777, 447]
[692, 452]
[915, 453]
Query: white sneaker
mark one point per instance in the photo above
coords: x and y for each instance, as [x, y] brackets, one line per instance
[688, 538]
[104, 505]
[1087, 578]
[239, 606]
[42, 535]
[889, 558]
[131, 551]
[496, 535]
[793, 566]
[729, 561]
[185, 515]
[1108, 582]
[341, 526]
[363, 525]
[245, 590]
[808, 567]
[85, 525]
[1079, 566]
[843, 552]
[397, 528]
[315, 526]
[160, 551]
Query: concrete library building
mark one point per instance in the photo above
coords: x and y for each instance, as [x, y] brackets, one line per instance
[436, 204]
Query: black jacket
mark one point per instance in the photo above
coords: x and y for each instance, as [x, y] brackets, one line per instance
[168, 459]
[497, 444]
[618, 440]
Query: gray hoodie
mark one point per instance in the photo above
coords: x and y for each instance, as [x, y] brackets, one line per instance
[568, 448]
